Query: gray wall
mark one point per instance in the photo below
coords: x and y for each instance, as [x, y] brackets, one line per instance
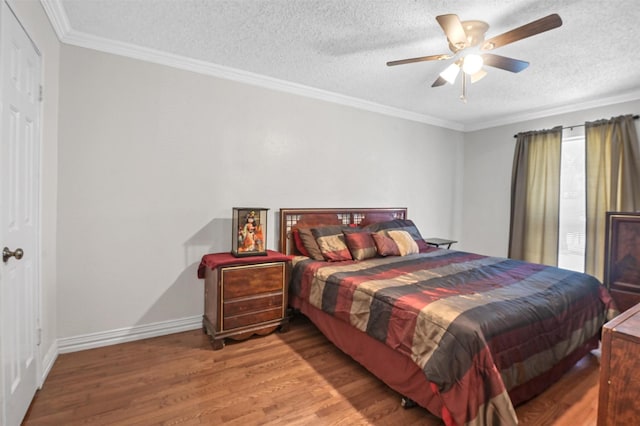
[152, 159]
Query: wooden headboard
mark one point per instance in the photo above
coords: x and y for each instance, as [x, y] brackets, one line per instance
[291, 218]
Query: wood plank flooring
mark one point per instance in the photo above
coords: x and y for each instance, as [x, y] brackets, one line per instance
[293, 378]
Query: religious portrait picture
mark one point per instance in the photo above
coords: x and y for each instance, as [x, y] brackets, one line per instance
[249, 227]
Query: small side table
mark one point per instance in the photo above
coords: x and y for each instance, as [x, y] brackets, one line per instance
[437, 242]
[244, 296]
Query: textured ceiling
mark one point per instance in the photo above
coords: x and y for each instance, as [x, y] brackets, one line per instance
[341, 46]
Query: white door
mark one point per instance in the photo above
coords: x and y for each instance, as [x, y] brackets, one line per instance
[19, 227]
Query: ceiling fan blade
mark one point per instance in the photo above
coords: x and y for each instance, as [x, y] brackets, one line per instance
[439, 82]
[502, 62]
[453, 29]
[419, 59]
[532, 28]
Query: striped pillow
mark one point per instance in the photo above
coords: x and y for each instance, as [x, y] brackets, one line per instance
[360, 244]
[404, 240]
[331, 243]
[385, 245]
[401, 225]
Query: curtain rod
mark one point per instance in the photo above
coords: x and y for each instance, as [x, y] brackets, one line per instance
[635, 117]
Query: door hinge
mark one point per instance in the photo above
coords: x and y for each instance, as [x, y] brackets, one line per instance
[39, 336]
[41, 95]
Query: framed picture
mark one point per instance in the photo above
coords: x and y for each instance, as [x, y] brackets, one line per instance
[249, 227]
[622, 257]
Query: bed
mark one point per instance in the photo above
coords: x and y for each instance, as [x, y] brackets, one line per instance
[464, 335]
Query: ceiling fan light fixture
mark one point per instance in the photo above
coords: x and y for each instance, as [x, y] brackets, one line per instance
[472, 63]
[467, 39]
[450, 73]
[475, 31]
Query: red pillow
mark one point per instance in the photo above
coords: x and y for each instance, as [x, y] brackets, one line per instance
[360, 244]
[385, 245]
[299, 244]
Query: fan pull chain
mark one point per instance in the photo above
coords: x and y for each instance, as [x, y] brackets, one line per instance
[463, 96]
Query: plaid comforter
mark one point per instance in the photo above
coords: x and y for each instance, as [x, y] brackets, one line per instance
[477, 326]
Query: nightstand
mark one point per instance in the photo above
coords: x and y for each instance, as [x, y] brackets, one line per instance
[244, 296]
[437, 242]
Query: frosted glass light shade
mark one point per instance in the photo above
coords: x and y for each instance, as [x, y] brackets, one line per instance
[472, 64]
[450, 73]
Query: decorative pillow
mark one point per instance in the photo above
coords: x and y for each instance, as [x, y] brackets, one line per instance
[385, 245]
[331, 243]
[309, 242]
[297, 239]
[400, 225]
[360, 244]
[404, 240]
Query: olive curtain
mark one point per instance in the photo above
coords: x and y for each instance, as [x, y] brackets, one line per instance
[612, 179]
[535, 197]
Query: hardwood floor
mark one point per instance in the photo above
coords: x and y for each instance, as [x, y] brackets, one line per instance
[293, 378]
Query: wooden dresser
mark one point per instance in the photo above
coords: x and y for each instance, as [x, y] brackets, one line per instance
[244, 296]
[620, 371]
[622, 258]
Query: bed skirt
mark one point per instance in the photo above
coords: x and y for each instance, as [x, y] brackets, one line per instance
[403, 375]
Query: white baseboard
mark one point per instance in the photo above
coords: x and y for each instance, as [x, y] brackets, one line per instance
[47, 362]
[127, 334]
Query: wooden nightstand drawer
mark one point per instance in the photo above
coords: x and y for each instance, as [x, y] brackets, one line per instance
[255, 304]
[248, 280]
[252, 318]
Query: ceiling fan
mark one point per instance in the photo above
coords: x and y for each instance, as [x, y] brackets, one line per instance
[467, 44]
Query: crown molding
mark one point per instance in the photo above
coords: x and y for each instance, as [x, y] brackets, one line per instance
[202, 67]
[565, 109]
[57, 16]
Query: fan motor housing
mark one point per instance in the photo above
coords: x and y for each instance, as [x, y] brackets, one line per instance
[475, 31]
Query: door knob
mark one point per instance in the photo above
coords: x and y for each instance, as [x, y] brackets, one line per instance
[6, 254]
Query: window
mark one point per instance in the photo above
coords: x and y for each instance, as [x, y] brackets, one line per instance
[571, 239]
